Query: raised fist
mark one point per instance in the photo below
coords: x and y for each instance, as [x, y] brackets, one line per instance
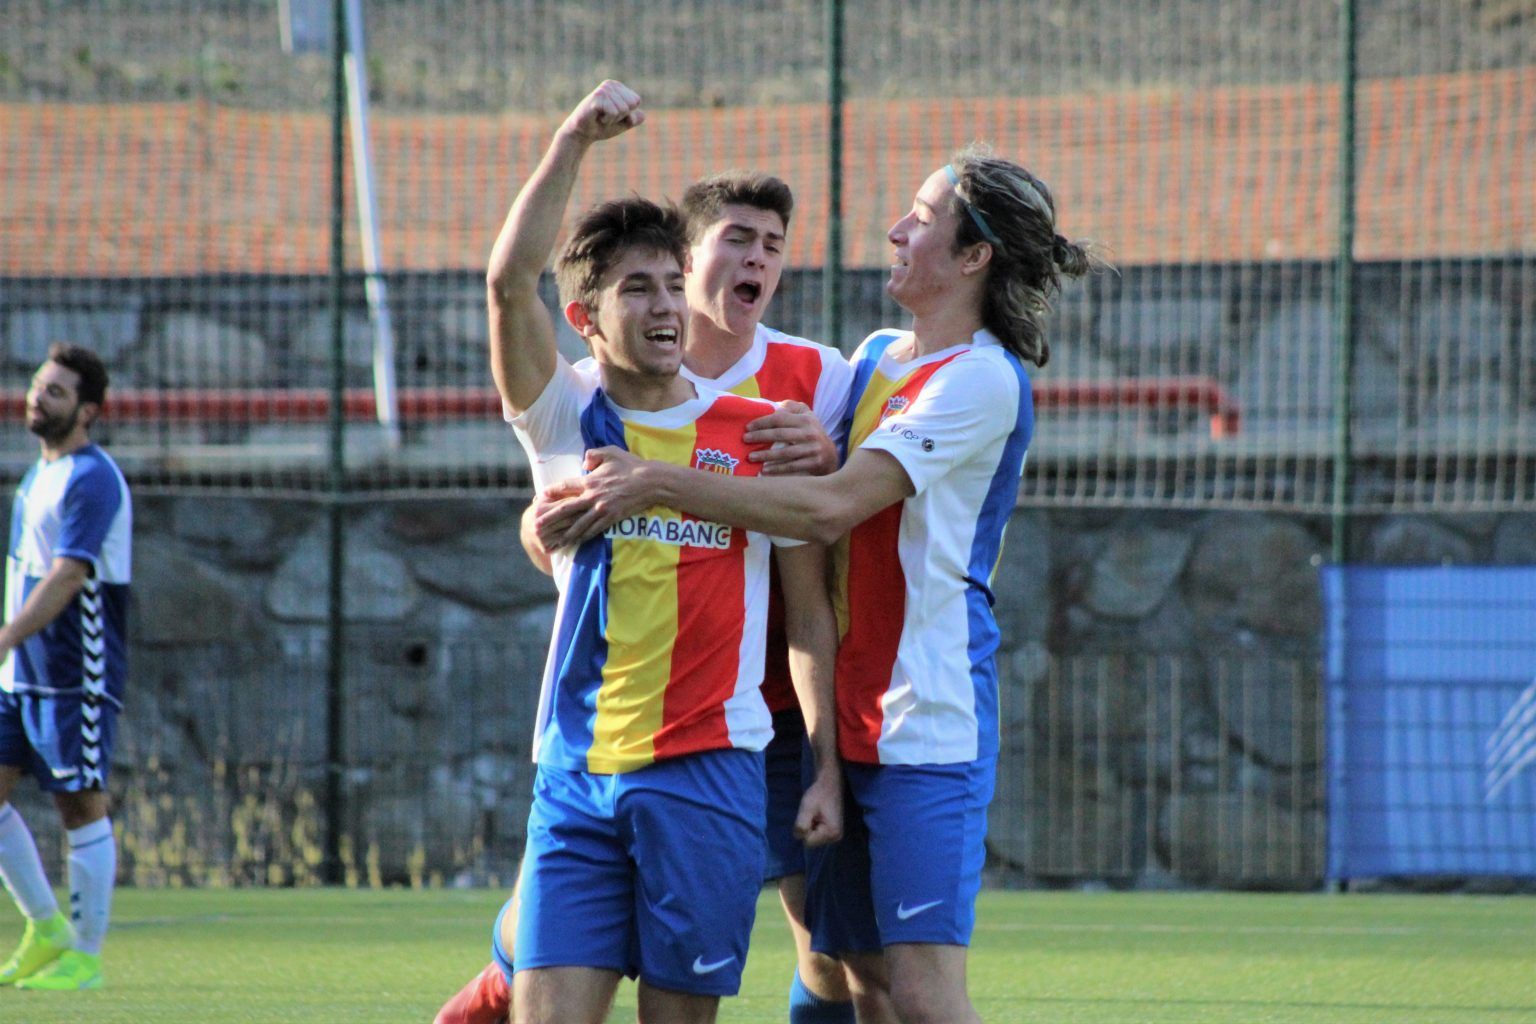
[613, 108]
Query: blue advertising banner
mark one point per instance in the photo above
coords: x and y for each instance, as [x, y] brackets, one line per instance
[1431, 688]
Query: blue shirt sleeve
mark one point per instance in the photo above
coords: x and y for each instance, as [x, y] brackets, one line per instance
[91, 501]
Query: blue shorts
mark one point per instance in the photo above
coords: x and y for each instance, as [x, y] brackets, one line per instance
[909, 865]
[652, 873]
[784, 757]
[62, 740]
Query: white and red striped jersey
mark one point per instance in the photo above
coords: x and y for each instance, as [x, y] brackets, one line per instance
[916, 676]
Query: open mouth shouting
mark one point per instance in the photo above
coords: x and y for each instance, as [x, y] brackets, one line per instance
[748, 292]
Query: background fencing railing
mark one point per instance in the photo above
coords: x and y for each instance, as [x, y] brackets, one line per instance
[178, 191]
[1125, 769]
[169, 171]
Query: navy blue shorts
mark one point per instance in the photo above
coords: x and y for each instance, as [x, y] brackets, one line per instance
[62, 740]
[908, 867]
[652, 873]
[785, 756]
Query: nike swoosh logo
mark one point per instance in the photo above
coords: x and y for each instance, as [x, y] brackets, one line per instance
[903, 911]
[700, 967]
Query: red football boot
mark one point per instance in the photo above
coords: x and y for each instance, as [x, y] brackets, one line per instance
[485, 1000]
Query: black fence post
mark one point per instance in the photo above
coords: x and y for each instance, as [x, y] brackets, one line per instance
[336, 477]
[1344, 289]
[832, 268]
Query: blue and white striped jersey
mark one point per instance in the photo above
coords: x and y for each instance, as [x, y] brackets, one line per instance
[76, 506]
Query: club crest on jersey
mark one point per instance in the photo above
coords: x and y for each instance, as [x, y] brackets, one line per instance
[896, 404]
[715, 460]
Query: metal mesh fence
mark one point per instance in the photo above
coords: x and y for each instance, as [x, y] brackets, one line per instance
[167, 174]
[1132, 768]
[1122, 769]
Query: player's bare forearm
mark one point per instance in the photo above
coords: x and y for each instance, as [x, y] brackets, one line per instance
[528, 534]
[523, 246]
[48, 599]
[522, 336]
[819, 509]
[810, 628]
[798, 507]
[523, 350]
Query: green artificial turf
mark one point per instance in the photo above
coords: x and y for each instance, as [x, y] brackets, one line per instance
[330, 955]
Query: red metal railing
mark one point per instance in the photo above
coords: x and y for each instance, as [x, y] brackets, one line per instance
[1198, 395]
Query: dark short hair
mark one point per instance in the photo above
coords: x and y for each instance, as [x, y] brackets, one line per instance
[704, 201]
[605, 233]
[87, 365]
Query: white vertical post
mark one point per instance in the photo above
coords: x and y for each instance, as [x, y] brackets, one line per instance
[385, 399]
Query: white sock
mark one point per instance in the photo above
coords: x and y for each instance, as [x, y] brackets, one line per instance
[21, 869]
[92, 872]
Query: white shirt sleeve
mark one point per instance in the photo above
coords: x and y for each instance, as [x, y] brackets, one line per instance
[965, 406]
[550, 429]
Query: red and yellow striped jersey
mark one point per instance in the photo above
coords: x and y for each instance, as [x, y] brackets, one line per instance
[658, 644]
[783, 368]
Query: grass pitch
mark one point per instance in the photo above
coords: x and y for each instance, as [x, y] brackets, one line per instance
[338, 957]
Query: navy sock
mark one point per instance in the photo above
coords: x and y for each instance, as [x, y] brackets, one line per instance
[805, 1007]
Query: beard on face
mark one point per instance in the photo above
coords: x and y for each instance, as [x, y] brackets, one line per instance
[54, 428]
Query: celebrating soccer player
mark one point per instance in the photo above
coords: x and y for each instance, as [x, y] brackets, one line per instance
[939, 421]
[645, 840]
[737, 224]
[65, 663]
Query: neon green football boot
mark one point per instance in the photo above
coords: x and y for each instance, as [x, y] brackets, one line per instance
[41, 944]
[72, 971]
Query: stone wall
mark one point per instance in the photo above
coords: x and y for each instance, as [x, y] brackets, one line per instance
[1161, 718]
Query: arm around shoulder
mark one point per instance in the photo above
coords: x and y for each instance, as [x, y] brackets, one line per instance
[818, 509]
[867, 483]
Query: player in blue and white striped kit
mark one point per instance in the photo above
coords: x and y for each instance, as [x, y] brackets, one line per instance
[64, 651]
